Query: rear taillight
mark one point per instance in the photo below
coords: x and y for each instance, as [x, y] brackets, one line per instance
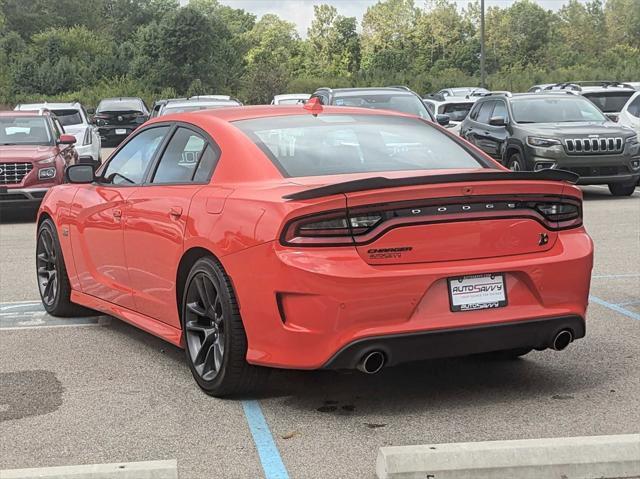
[364, 224]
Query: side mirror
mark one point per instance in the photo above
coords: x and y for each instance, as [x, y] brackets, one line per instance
[80, 174]
[498, 121]
[66, 139]
[443, 120]
[91, 111]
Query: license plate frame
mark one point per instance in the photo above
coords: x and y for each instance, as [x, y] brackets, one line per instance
[481, 291]
[121, 131]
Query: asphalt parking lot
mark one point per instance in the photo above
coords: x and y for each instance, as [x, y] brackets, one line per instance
[97, 390]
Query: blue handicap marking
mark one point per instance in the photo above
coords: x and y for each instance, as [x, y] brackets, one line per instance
[31, 314]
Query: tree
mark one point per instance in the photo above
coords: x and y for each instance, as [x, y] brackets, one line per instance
[333, 43]
[271, 59]
[387, 35]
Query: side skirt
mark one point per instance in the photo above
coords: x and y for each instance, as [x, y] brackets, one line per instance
[150, 325]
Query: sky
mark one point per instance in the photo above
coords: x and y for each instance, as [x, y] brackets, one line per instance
[300, 12]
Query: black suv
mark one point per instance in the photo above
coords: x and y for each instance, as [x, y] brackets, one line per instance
[534, 131]
[117, 118]
[398, 98]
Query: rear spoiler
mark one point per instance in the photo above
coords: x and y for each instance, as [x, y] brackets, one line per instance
[379, 182]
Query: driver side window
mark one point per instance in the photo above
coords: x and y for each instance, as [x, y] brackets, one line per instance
[129, 165]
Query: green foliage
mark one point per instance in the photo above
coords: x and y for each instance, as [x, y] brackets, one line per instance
[76, 49]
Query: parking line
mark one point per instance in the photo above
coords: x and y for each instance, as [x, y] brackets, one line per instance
[614, 307]
[272, 464]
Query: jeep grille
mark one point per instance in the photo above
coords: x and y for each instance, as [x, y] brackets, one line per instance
[594, 146]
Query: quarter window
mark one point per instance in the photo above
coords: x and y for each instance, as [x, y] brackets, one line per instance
[129, 165]
[185, 159]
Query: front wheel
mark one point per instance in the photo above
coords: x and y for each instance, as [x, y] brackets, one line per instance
[214, 336]
[516, 163]
[53, 282]
[618, 189]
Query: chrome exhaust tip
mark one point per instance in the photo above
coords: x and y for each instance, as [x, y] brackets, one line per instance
[372, 362]
[562, 340]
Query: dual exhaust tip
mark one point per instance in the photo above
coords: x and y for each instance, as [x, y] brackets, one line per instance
[373, 361]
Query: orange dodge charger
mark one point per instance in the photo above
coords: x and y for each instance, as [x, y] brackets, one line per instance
[316, 237]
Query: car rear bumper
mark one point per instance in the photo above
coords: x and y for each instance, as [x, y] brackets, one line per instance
[301, 307]
[402, 348]
[15, 198]
[108, 133]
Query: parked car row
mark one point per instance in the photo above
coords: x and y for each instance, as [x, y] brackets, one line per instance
[555, 126]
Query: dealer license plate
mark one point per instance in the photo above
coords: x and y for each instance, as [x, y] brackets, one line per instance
[121, 131]
[480, 291]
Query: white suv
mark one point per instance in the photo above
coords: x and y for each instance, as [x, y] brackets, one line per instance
[75, 120]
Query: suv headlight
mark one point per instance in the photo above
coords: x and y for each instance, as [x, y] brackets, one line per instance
[88, 137]
[632, 140]
[542, 142]
[46, 173]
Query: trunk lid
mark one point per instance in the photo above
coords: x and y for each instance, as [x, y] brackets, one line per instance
[450, 222]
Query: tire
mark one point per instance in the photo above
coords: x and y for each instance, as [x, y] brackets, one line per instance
[516, 162]
[507, 354]
[51, 274]
[618, 189]
[214, 335]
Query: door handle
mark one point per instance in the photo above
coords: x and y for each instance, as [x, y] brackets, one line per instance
[117, 213]
[175, 212]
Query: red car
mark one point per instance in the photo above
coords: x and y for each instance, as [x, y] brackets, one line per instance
[316, 237]
[34, 151]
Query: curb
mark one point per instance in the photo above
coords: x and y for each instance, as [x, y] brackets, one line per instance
[120, 470]
[569, 458]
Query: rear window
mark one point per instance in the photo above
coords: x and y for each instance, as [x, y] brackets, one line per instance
[410, 104]
[120, 105]
[307, 145]
[68, 117]
[456, 111]
[610, 102]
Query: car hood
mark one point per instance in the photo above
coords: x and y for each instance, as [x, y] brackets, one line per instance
[13, 153]
[576, 129]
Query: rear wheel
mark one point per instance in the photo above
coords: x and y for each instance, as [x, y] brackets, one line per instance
[618, 189]
[215, 340]
[53, 282]
[516, 162]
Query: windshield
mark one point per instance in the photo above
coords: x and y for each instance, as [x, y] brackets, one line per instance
[403, 103]
[555, 110]
[456, 111]
[610, 101]
[120, 105]
[24, 130]
[68, 117]
[307, 145]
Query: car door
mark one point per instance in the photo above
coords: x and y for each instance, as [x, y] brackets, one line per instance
[478, 132]
[156, 218]
[97, 234]
[495, 136]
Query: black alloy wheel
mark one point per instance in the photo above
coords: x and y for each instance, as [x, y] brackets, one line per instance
[204, 326]
[214, 334]
[46, 263]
